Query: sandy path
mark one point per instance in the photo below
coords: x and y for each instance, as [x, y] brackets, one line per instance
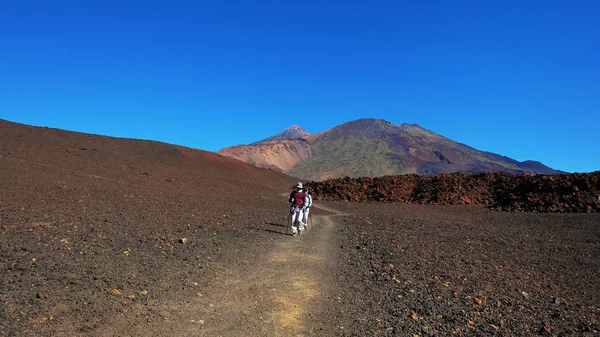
[275, 296]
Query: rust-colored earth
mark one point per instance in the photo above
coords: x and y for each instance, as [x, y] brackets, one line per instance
[558, 193]
[116, 237]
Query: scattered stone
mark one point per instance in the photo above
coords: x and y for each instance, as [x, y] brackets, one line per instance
[183, 241]
[199, 322]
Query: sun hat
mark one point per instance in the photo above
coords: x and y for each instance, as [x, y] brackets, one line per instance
[299, 186]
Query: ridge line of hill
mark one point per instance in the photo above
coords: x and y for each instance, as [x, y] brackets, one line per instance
[371, 148]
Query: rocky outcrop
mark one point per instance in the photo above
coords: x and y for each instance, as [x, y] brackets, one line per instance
[532, 193]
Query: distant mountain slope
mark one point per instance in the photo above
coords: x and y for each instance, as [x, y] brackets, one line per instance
[293, 132]
[276, 155]
[371, 147]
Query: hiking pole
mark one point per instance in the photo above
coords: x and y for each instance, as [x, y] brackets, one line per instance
[289, 220]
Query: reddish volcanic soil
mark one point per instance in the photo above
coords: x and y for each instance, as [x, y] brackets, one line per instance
[558, 193]
[91, 233]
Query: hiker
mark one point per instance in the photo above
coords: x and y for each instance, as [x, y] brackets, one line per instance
[306, 208]
[298, 201]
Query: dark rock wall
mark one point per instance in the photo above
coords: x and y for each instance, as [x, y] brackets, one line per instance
[578, 192]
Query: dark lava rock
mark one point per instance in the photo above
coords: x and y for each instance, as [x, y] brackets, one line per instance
[560, 193]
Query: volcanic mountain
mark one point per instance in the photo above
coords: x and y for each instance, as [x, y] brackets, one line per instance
[280, 152]
[293, 132]
[373, 147]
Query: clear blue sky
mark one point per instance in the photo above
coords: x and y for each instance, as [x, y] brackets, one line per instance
[519, 78]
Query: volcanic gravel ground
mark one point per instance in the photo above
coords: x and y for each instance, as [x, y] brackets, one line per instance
[381, 270]
[464, 270]
[91, 244]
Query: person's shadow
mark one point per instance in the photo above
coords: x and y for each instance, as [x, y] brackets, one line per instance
[274, 227]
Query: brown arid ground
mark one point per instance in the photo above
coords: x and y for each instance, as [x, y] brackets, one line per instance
[91, 233]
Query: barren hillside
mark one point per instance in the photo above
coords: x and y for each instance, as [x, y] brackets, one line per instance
[102, 236]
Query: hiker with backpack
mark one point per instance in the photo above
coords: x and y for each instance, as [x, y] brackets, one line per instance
[306, 208]
[298, 201]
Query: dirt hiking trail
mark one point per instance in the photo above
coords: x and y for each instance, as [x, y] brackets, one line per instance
[278, 295]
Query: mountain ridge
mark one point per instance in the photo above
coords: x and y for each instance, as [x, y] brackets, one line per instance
[375, 147]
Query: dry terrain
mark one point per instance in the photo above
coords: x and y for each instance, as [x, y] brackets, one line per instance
[114, 237]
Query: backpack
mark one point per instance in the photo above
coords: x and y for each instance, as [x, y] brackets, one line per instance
[299, 198]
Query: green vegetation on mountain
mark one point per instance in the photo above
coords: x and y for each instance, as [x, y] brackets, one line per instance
[373, 148]
[348, 156]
